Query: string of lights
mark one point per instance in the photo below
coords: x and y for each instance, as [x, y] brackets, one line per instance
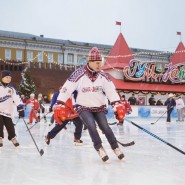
[18, 62]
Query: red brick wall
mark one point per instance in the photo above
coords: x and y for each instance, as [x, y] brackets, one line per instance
[47, 80]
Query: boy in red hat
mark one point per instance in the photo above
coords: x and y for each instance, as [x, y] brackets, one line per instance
[93, 88]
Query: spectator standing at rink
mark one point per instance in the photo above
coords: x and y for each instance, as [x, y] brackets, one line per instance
[9, 98]
[140, 101]
[23, 98]
[42, 108]
[92, 86]
[132, 100]
[151, 100]
[159, 102]
[170, 103]
[46, 100]
[34, 108]
[180, 106]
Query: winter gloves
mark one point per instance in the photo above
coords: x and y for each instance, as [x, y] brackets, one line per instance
[119, 112]
[59, 112]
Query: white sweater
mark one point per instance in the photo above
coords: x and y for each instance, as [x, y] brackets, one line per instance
[8, 99]
[92, 90]
[179, 103]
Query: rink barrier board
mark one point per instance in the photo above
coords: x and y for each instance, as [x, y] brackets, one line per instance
[137, 111]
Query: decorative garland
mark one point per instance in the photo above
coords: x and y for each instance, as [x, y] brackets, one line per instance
[18, 62]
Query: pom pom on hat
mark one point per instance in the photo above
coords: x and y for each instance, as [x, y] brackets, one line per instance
[5, 73]
[171, 95]
[32, 95]
[94, 55]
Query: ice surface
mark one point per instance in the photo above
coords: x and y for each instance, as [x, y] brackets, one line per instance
[148, 162]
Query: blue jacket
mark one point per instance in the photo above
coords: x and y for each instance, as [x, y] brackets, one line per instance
[54, 98]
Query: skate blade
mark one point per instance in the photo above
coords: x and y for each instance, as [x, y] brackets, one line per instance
[121, 157]
[78, 144]
[107, 161]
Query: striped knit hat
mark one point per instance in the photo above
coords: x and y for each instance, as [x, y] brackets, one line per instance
[94, 55]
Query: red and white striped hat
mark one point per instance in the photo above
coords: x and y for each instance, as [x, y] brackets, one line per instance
[94, 55]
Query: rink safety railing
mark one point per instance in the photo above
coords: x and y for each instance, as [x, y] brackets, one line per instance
[137, 112]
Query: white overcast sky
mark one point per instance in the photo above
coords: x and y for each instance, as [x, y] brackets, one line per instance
[146, 24]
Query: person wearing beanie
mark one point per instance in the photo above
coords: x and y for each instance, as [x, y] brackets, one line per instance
[8, 99]
[93, 88]
[151, 100]
[132, 100]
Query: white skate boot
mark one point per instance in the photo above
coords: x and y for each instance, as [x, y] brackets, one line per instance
[15, 142]
[78, 142]
[103, 154]
[119, 154]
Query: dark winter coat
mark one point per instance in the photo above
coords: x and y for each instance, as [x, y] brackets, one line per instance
[132, 101]
[170, 103]
[152, 101]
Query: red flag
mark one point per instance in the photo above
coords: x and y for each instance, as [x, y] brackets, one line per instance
[178, 33]
[118, 23]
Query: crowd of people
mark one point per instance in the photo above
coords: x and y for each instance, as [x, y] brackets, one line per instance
[82, 99]
[140, 100]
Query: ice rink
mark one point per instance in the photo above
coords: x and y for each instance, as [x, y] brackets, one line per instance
[148, 162]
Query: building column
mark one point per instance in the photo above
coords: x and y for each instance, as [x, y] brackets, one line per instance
[65, 57]
[75, 59]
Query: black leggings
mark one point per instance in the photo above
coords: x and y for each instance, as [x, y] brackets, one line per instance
[8, 123]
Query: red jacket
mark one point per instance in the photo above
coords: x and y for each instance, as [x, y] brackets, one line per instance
[34, 103]
[69, 110]
[127, 105]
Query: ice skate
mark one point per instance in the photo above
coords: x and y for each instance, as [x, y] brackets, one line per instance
[103, 155]
[15, 142]
[1, 141]
[119, 154]
[78, 142]
[47, 140]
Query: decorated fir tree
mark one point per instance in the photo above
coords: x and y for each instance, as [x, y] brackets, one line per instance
[27, 85]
